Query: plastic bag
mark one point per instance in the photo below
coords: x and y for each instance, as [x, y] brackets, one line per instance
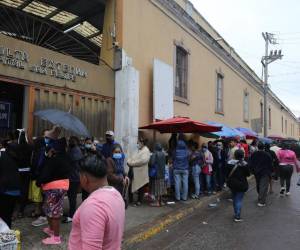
[3, 227]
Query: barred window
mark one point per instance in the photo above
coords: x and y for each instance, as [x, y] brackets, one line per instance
[220, 94]
[181, 72]
[270, 118]
[246, 106]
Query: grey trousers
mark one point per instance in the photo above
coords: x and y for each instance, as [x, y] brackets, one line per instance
[262, 186]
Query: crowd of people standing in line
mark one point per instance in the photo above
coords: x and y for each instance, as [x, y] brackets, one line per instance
[52, 167]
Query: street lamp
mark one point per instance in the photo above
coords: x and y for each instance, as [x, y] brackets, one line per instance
[266, 60]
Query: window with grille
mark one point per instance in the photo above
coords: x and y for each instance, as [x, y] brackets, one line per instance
[270, 118]
[262, 113]
[286, 126]
[246, 106]
[181, 73]
[220, 94]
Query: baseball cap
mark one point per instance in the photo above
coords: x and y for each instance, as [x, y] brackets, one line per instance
[110, 133]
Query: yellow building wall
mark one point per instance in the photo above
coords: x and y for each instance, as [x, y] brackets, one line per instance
[150, 33]
[99, 80]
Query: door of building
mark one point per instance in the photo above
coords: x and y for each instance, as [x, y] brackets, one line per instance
[11, 108]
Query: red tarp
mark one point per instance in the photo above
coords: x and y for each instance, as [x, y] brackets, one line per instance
[181, 125]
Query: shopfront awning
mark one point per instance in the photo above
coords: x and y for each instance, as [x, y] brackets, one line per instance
[71, 27]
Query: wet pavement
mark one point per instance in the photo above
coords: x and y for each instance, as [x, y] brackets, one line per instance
[274, 227]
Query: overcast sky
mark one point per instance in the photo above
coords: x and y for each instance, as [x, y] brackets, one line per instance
[241, 22]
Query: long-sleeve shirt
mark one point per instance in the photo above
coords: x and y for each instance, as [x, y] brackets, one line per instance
[287, 157]
[98, 223]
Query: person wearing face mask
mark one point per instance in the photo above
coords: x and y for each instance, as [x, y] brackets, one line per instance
[115, 169]
[207, 167]
[107, 148]
[75, 155]
[35, 193]
[139, 168]
[54, 180]
[88, 149]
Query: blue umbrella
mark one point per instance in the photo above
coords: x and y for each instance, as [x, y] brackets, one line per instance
[250, 134]
[265, 140]
[226, 132]
[63, 119]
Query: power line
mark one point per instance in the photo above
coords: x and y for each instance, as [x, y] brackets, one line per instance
[286, 74]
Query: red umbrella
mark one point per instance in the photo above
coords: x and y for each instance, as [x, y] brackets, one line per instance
[181, 125]
[276, 137]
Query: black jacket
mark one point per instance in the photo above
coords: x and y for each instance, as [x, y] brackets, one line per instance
[261, 163]
[275, 161]
[237, 182]
[54, 168]
[75, 156]
[9, 175]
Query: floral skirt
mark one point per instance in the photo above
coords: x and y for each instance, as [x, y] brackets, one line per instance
[54, 201]
[158, 187]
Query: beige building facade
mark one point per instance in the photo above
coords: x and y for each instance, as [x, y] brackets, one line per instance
[105, 71]
[155, 29]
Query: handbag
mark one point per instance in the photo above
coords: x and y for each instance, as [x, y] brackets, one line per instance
[167, 175]
[153, 171]
[205, 170]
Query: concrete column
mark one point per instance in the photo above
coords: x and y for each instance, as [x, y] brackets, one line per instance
[25, 108]
[127, 106]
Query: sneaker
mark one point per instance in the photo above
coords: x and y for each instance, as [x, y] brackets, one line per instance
[67, 220]
[288, 194]
[40, 221]
[48, 231]
[261, 204]
[237, 219]
[282, 190]
[53, 240]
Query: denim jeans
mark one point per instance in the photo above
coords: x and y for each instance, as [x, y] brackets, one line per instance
[237, 198]
[208, 179]
[196, 177]
[181, 178]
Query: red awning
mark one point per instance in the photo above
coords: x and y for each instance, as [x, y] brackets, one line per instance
[181, 125]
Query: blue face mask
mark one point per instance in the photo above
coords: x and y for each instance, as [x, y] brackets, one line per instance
[117, 156]
[47, 140]
[88, 146]
[204, 149]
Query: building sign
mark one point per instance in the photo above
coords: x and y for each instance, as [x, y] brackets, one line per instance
[4, 115]
[20, 59]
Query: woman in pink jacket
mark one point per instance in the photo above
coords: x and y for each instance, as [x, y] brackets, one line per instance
[287, 161]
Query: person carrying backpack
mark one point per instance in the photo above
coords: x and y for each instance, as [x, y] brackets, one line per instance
[237, 173]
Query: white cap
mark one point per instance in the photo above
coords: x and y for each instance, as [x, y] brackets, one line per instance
[111, 133]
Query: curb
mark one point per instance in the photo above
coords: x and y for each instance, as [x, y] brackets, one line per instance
[158, 225]
[139, 234]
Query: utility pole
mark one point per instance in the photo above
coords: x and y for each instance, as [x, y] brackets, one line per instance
[266, 60]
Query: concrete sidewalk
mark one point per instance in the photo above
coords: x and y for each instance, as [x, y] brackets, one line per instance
[141, 223]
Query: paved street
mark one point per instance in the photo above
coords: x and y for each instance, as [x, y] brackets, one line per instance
[276, 226]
